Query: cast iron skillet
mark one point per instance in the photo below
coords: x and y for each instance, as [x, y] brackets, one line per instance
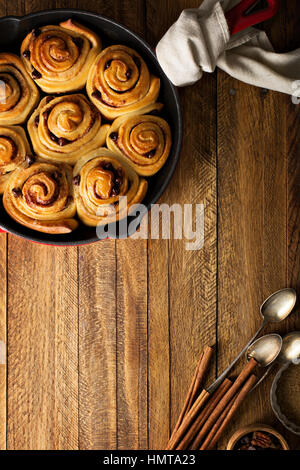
[12, 32]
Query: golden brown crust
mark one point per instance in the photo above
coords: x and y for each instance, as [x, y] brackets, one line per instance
[14, 149]
[119, 82]
[62, 128]
[41, 198]
[59, 58]
[143, 140]
[101, 179]
[18, 93]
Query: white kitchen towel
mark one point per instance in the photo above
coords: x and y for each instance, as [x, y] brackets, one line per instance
[200, 40]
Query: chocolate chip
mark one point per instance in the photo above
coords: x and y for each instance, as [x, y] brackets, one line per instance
[107, 65]
[107, 166]
[62, 141]
[53, 137]
[56, 175]
[30, 159]
[26, 54]
[70, 199]
[115, 191]
[36, 74]
[96, 94]
[37, 120]
[118, 181]
[36, 32]
[46, 114]
[16, 192]
[151, 154]
[78, 42]
[128, 74]
[49, 98]
[137, 61]
[114, 136]
[76, 180]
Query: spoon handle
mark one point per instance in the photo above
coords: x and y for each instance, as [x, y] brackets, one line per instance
[263, 376]
[220, 379]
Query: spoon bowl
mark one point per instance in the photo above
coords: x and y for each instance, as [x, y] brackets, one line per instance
[278, 306]
[290, 352]
[265, 349]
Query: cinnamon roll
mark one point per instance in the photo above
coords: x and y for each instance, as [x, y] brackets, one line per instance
[58, 58]
[100, 180]
[14, 150]
[145, 141]
[62, 128]
[18, 93]
[119, 82]
[41, 198]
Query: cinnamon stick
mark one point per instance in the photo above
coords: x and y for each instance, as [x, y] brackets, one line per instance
[214, 400]
[188, 419]
[243, 376]
[202, 369]
[226, 417]
[195, 384]
[194, 388]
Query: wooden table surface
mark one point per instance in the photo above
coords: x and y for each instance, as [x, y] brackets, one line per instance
[98, 344]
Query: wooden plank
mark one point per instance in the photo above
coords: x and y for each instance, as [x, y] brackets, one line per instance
[190, 276]
[97, 346]
[3, 345]
[158, 343]
[42, 346]
[132, 343]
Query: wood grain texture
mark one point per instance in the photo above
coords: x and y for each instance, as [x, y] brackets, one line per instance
[245, 272]
[132, 344]
[3, 345]
[158, 344]
[97, 346]
[42, 347]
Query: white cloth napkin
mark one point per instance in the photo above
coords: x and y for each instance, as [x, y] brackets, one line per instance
[200, 40]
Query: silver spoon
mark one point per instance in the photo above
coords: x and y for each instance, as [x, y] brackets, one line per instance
[275, 308]
[265, 353]
[265, 350]
[289, 354]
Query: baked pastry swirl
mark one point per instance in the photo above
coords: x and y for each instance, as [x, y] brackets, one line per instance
[14, 150]
[100, 179]
[40, 197]
[58, 58]
[144, 140]
[18, 93]
[119, 82]
[62, 128]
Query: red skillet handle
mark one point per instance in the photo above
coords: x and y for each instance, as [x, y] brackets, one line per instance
[238, 19]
